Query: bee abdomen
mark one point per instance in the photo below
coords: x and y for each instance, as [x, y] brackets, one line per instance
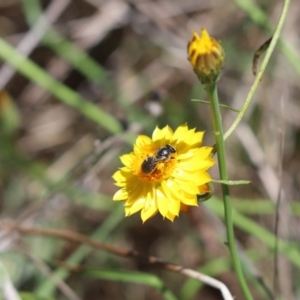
[148, 165]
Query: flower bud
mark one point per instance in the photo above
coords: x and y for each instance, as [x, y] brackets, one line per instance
[206, 56]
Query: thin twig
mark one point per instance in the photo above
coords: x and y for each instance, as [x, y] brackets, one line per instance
[33, 37]
[79, 238]
[64, 288]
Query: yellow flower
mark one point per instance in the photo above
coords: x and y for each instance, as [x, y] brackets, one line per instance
[164, 174]
[206, 55]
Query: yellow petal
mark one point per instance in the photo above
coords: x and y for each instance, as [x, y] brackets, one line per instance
[157, 134]
[188, 186]
[180, 132]
[185, 176]
[136, 206]
[146, 214]
[120, 195]
[150, 199]
[170, 216]
[186, 154]
[196, 139]
[194, 164]
[162, 202]
[189, 200]
[126, 159]
[186, 136]
[171, 189]
[136, 192]
[174, 208]
[142, 140]
[204, 152]
[204, 178]
[168, 134]
[136, 195]
[162, 136]
[118, 176]
[127, 211]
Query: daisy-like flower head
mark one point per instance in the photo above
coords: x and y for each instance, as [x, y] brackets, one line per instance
[206, 55]
[164, 174]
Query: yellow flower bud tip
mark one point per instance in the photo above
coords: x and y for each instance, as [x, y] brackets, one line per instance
[206, 56]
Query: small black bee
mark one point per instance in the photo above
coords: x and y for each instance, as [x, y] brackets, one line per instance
[162, 154]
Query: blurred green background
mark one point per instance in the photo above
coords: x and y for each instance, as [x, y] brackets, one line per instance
[80, 80]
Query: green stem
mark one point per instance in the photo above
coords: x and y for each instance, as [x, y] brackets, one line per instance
[218, 131]
[260, 73]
